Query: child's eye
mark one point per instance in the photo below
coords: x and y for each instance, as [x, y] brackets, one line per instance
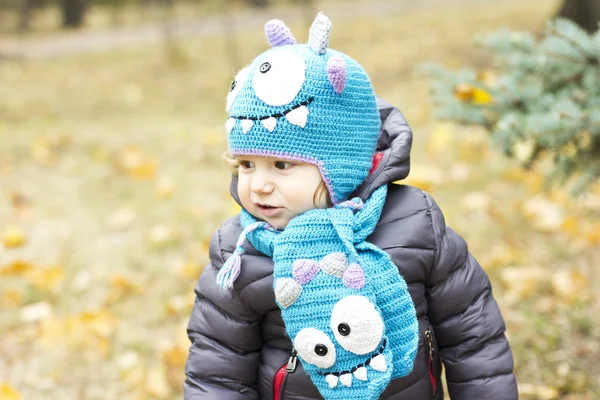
[282, 164]
[246, 164]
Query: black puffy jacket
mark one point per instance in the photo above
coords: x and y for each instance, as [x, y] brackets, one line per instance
[240, 349]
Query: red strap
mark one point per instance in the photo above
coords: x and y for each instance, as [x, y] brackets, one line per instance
[278, 381]
[376, 160]
[433, 382]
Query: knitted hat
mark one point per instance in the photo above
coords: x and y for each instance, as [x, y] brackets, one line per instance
[308, 103]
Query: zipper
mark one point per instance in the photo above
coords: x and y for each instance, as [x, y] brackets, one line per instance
[281, 374]
[429, 337]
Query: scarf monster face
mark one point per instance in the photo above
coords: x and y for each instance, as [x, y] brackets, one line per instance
[344, 304]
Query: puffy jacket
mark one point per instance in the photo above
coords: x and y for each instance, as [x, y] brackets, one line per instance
[239, 347]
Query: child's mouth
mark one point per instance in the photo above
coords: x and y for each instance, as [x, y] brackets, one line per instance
[268, 211]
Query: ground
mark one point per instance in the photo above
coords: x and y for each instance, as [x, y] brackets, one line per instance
[111, 184]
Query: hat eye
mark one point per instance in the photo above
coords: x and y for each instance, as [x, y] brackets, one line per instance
[278, 78]
[236, 85]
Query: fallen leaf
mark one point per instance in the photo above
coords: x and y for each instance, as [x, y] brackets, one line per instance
[183, 304]
[569, 285]
[11, 298]
[156, 382]
[521, 282]
[16, 268]
[8, 392]
[13, 237]
[440, 139]
[539, 392]
[544, 214]
[36, 312]
[46, 278]
[164, 188]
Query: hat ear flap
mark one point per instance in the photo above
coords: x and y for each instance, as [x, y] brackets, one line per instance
[318, 36]
[278, 34]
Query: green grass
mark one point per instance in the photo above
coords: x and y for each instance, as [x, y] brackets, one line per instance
[110, 165]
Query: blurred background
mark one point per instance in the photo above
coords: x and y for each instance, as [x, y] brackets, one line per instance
[111, 183]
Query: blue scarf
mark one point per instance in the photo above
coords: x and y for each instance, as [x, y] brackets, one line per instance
[343, 301]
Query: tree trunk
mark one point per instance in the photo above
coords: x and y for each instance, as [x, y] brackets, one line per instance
[24, 15]
[73, 13]
[586, 13]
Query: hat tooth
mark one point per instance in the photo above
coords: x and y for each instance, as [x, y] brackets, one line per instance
[298, 116]
[246, 125]
[229, 125]
[269, 123]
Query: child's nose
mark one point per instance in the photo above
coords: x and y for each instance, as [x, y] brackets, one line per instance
[261, 183]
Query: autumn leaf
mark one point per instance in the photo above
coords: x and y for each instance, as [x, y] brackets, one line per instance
[136, 164]
[440, 139]
[122, 286]
[13, 237]
[174, 359]
[164, 188]
[177, 305]
[11, 298]
[7, 392]
[569, 285]
[48, 278]
[16, 268]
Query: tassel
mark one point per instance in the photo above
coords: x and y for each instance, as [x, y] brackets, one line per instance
[232, 267]
[230, 270]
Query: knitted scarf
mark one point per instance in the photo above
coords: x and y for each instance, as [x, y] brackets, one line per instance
[343, 301]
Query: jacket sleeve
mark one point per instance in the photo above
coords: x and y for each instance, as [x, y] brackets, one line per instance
[225, 339]
[468, 326]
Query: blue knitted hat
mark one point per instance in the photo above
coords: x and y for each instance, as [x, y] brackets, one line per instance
[308, 103]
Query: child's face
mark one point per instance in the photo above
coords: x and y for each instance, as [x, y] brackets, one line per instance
[276, 190]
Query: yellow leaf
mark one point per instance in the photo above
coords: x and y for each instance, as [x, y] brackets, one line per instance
[569, 285]
[180, 304]
[175, 358]
[122, 286]
[440, 139]
[156, 382]
[546, 215]
[539, 392]
[593, 237]
[46, 278]
[425, 177]
[100, 322]
[570, 226]
[41, 152]
[8, 392]
[13, 237]
[520, 282]
[161, 235]
[16, 268]
[190, 270]
[481, 97]
[136, 164]
[164, 188]
[11, 298]
[464, 92]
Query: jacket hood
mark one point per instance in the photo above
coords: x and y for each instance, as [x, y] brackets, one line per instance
[394, 144]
